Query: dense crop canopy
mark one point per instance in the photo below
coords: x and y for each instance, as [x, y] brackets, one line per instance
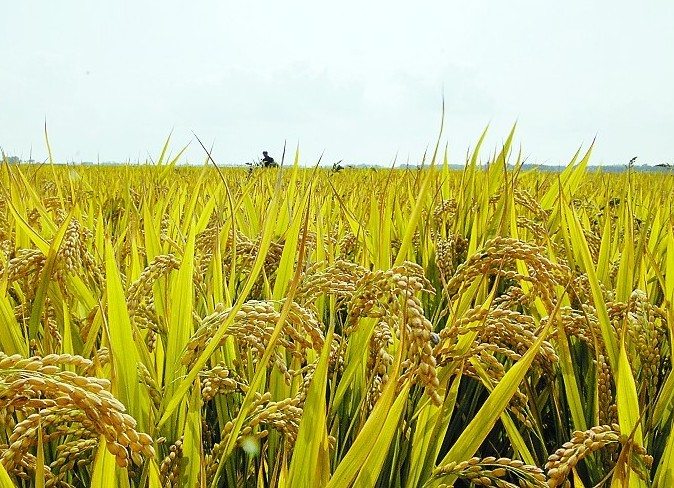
[168, 326]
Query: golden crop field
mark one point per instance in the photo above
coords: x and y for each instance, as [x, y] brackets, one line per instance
[164, 326]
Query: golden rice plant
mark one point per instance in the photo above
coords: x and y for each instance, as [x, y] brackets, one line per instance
[199, 326]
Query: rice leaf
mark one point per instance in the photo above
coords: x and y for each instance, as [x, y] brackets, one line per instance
[371, 469]
[5, 480]
[180, 327]
[104, 469]
[39, 460]
[312, 438]
[359, 451]
[45, 279]
[122, 345]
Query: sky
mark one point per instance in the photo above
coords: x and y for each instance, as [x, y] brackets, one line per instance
[357, 81]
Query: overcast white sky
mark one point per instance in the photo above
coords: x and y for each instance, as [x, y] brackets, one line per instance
[360, 81]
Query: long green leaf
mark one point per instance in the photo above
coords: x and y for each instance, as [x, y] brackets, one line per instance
[104, 469]
[627, 402]
[582, 248]
[39, 460]
[45, 279]
[312, 438]
[122, 344]
[180, 326]
[369, 472]
[348, 469]
[11, 340]
[5, 480]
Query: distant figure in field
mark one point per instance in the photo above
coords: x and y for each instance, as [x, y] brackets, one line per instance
[268, 161]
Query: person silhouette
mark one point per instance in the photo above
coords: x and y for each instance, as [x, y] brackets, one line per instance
[268, 161]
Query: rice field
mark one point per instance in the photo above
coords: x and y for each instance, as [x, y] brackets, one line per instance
[164, 326]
